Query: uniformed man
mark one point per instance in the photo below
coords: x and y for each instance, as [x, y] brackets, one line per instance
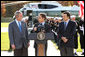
[81, 32]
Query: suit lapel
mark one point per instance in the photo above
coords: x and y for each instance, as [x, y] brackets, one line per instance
[63, 26]
[22, 26]
[16, 26]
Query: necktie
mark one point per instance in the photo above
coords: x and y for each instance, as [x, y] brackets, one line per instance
[40, 24]
[19, 27]
[65, 24]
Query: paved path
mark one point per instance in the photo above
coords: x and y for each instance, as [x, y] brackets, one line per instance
[4, 29]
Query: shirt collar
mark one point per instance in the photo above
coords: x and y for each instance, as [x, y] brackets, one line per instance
[67, 21]
[17, 21]
[43, 23]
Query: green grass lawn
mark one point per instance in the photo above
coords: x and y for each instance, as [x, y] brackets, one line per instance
[5, 40]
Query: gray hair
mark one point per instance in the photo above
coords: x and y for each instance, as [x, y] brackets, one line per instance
[73, 16]
[17, 13]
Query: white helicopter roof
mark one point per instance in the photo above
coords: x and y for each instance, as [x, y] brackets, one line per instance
[34, 6]
[51, 2]
[44, 2]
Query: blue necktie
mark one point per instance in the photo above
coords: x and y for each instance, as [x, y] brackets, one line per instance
[20, 27]
[65, 24]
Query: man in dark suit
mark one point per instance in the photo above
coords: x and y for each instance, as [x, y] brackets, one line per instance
[66, 33]
[18, 35]
[41, 19]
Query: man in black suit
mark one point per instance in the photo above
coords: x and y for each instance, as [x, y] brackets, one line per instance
[66, 33]
[41, 19]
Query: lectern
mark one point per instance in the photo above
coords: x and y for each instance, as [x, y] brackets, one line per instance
[40, 40]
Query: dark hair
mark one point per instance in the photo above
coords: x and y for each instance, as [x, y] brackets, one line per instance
[63, 11]
[43, 15]
[68, 14]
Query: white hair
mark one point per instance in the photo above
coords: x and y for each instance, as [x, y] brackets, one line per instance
[73, 16]
[17, 13]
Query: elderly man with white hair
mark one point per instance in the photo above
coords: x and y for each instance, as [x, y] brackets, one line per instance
[81, 32]
[73, 17]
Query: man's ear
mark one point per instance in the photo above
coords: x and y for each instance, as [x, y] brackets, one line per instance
[15, 16]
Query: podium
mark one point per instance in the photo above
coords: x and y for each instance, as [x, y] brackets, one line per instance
[40, 39]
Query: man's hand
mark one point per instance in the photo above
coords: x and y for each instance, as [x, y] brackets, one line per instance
[35, 28]
[13, 46]
[64, 39]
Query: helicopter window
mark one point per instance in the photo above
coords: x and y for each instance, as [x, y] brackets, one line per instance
[51, 6]
[41, 6]
[46, 6]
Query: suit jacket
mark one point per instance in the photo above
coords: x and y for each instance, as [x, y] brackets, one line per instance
[19, 39]
[47, 27]
[68, 33]
[47, 30]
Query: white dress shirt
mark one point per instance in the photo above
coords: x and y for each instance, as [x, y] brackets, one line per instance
[43, 23]
[17, 22]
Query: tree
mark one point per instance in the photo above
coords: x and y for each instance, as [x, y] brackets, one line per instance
[68, 3]
[3, 9]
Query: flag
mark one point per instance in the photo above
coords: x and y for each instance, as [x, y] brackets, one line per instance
[81, 11]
